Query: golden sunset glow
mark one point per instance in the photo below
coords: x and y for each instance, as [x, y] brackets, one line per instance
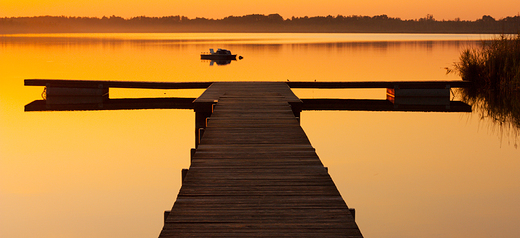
[91, 172]
[407, 9]
[113, 173]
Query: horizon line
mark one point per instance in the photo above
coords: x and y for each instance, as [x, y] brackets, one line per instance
[255, 14]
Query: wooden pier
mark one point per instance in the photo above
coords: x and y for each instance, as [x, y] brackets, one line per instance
[65, 95]
[254, 172]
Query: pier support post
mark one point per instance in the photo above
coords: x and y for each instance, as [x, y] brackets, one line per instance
[200, 125]
[192, 153]
[166, 214]
[202, 110]
[184, 172]
[296, 108]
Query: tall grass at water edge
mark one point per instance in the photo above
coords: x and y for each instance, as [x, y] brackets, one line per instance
[494, 69]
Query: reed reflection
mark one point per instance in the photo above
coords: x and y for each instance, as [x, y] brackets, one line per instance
[494, 70]
[503, 110]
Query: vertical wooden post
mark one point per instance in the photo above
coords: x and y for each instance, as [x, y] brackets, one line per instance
[203, 110]
[184, 172]
[353, 212]
[296, 109]
[200, 123]
[166, 214]
[192, 153]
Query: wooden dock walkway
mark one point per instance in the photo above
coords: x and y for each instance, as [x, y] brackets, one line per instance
[254, 172]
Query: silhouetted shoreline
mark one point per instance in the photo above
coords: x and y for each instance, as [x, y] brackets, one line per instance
[273, 23]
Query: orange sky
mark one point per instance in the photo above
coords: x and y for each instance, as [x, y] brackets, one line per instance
[405, 9]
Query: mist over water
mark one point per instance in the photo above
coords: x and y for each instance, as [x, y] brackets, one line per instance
[113, 173]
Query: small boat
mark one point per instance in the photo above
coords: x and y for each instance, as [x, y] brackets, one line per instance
[221, 54]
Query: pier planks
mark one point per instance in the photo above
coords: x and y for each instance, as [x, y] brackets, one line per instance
[255, 173]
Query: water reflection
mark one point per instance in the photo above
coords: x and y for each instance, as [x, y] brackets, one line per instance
[74, 174]
[271, 41]
[218, 62]
[502, 109]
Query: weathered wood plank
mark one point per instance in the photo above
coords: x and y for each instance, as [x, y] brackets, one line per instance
[254, 173]
[115, 84]
[382, 84]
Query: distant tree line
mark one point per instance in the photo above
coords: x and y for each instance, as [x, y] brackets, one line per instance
[257, 23]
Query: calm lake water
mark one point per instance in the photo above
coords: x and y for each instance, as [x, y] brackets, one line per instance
[113, 173]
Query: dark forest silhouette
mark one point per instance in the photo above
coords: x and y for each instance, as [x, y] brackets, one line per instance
[257, 23]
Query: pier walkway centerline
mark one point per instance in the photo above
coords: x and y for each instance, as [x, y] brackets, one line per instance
[254, 172]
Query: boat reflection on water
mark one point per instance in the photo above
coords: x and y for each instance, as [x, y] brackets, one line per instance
[221, 56]
[219, 62]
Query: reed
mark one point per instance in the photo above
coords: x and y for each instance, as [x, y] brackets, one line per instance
[493, 66]
[494, 69]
